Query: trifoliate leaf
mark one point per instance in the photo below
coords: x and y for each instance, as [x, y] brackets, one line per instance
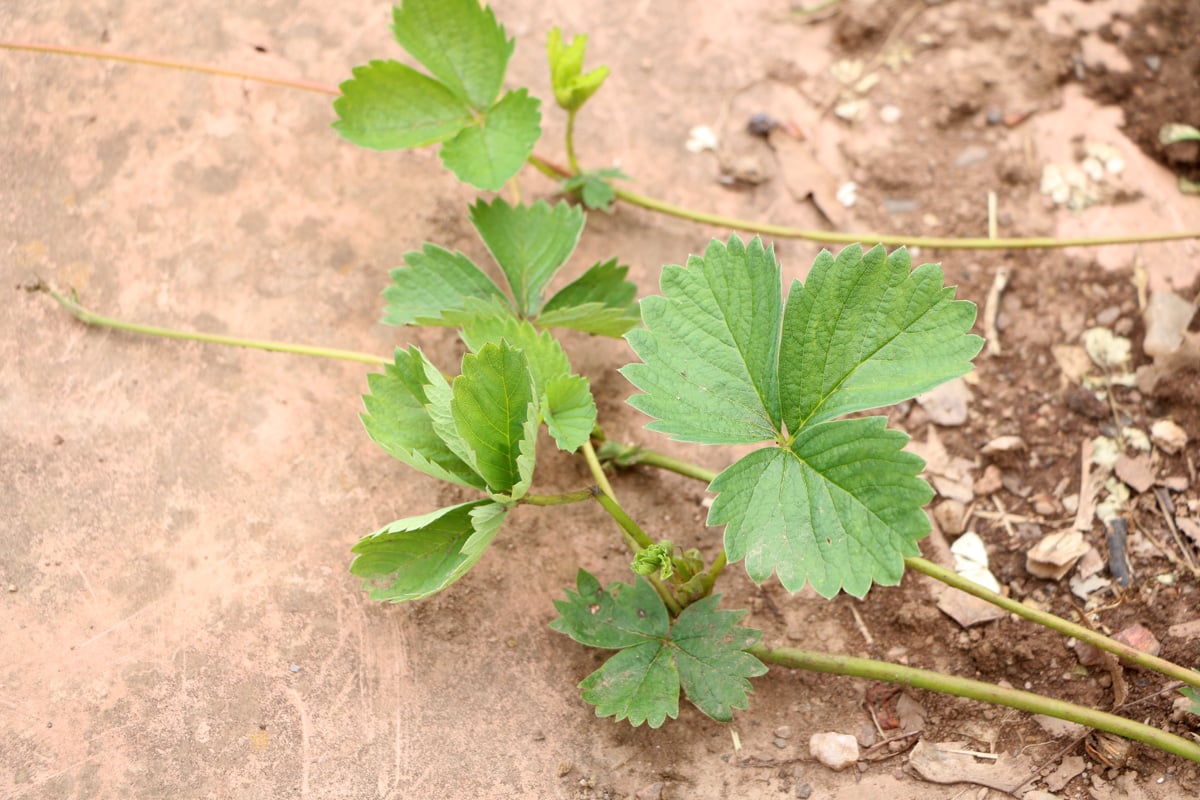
[460, 42]
[398, 418]
[530, 243]
[569, 411]
[496, 413]
[486, 155]
[571, 88]
[840, 508]
[836, 504]
[388, 106]
[599, 301]
[710, 347]
[863, 332]
[434, 284]
[419, 556]
[594, 188]
[543, 353]
[702, 652]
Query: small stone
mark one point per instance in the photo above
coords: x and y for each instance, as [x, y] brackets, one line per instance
[971, 155]
[1044, 505]
[294, 667]
[995, 116]
[890, 114]
[1169, 437]
[781, 743]
[990, 482]
[947, 404]
[1108, 316]
[784, 731]
[1003, 444]
[564, 768]
[761, 124]
[12, 587]
[950, 516]
[1154, 62]
[835, 750]
[652, 792]
[803, 791]
[1139, 637]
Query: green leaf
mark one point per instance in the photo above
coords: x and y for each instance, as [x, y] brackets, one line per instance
[434, 284]
[419, 556]
[840, 508]
[569, 411]
[399, 420]
[1193, 695]
[1174, 132]
[543, 353]
[710, 347]
[487, 154]
[571, 88]
[495, 412]
[530, 243]
[594, 187]
[458, 41]
[702, 652]
[837, 504]
[599, 301]
[863, 332]
[388, 106]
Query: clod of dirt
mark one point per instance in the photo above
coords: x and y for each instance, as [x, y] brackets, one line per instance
[1168, 436]
[1139, 637]
[835, 750]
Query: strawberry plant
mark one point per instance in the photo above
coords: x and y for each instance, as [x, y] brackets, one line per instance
[723, 357]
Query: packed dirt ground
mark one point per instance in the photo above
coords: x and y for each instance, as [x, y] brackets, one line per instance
[175, 519]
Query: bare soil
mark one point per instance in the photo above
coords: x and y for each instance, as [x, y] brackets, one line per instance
[175, 519]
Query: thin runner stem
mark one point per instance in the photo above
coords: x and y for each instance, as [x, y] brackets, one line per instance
[795, 658]
[91, 318]
[558, 499]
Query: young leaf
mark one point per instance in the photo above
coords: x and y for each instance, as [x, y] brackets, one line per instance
[594, 187]
[569, 411]
[398, 419]
[710, 347]
[496, 413]
[1193, 696]
[458, 41]
[488, 154]
[388, 106]
[599, 301]
[702, 653]
[571, 87]
[435, 284]
[864, 332]
[419, 556]
[840, 508]
[530, 243]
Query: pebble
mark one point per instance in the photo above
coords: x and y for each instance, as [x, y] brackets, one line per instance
[835, 750]
[990, 482]
[1169, 437]
[781, 743]
[652, 792]
[564, 768]
[294, 667]
[12, 587]
[1139, 637]
[803, 791]
[784, 732]
[1154, 62]
[951, 516]
[971, 155]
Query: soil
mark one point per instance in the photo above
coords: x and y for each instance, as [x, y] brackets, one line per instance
[177, 617]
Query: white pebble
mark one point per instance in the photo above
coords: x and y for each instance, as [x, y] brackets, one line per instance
[835, 750]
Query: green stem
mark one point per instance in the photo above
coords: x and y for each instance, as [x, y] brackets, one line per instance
[955, 580]
[794, 658]
[589, 455]
[887, 239]
[1055, 623]
[90, 318]
[557, 499]
[640, 539]
[714, 572]
[572, 162]
[653, 458]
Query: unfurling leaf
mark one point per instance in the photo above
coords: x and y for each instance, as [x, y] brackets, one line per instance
[419, 556]
[655, 558]
[571, 87]
[834, 503]
[702, 652]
